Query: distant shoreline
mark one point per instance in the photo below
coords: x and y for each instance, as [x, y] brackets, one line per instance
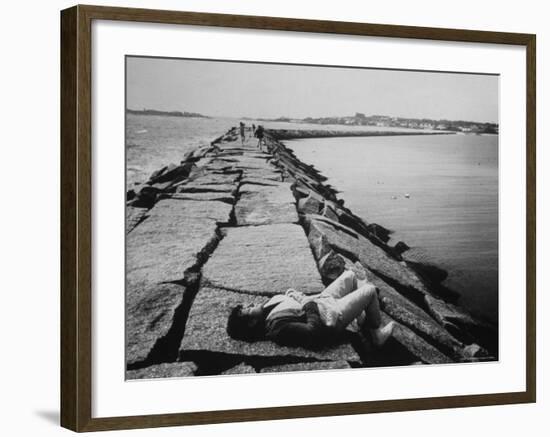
[166, 113]
[360, 119]
[291, 134]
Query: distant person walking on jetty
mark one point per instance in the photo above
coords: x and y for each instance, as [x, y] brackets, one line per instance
[260, 135]
[253, 129]
[241, 130]
[295, 319]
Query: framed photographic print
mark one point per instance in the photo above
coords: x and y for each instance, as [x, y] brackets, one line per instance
[337, 216]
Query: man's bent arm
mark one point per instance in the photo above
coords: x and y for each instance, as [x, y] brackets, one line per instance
[295, 333]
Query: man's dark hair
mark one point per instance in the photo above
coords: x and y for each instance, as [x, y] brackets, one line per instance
[243, 326]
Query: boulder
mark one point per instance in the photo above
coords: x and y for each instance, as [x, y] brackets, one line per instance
[429, 272]
[187, 157]
[173, 172]
[416, 319]
[356, 247]
[350, 220]
[475, 351]
[319, 243]
[239, 369]
[205, 331]
[163, 186]
[145, 196]
[303, 188]
[416, 345]
[304, 179]
[164, 370]
[295, 166]
[400, 247]
[329, 212]
[130, 194]
[379, 232]
[157, 173]
[300, 190]
[309, 205]
[462, 324]
[303, 183]
[409, 314]
[301, 367]
[299, 193]
[331, 266]
[263, 260]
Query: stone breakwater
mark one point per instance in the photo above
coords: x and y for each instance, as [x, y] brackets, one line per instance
[233, 224]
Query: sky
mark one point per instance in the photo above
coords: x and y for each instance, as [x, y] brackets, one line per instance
[242, 89]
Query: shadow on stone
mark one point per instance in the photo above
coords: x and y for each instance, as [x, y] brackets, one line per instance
[215, 363]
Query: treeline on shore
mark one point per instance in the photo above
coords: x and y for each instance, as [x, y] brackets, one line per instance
[165, 113]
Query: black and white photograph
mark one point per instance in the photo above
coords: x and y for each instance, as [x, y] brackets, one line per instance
[287, 217]
[275, 218]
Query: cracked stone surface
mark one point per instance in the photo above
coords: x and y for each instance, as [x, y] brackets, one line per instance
[134, 216]
[265, 174]
[250, 162]
[260, 205]
[213, 179]
[346, 240]
[415, 344]
[206, 331]
[236, 201]
[208, 196]
[300, 367]
[149, 315]
[410, 315]
[239, 369]
[164, 370]
[192, 187]
[169, 208]
[247, 179]
[165, 245]
[264, 260]
[221, 166]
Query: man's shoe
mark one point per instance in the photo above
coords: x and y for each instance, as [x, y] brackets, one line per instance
[381, 335]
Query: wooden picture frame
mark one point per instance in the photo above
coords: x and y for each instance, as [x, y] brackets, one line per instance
[76, 217]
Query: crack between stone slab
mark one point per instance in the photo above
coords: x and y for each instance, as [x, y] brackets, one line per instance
[274, 184]
[144, 217]
[209, 284]
[166, 348]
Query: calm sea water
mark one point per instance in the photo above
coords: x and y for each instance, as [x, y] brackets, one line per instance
[439, 194]
[451, 214]
[154, 141]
